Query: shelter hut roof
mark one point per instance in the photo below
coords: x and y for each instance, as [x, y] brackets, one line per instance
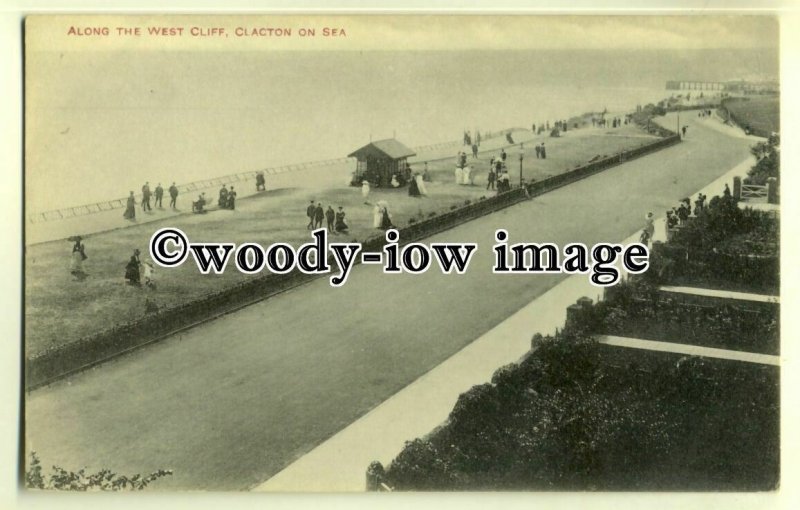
[390, 148]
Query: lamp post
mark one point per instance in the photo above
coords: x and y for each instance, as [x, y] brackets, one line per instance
[521, 157]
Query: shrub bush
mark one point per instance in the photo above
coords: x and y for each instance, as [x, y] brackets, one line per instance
[104, 480]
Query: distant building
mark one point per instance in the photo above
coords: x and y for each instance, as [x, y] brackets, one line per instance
[378, 162]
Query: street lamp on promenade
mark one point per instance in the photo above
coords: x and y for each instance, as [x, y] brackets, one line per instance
[521, 157]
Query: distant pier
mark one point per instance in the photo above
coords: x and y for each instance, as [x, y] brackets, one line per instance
[736, 86]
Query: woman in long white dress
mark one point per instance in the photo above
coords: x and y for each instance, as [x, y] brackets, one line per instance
[459, 175]
[467, 175]
[365, 189]
[420, 184]
[77, 257]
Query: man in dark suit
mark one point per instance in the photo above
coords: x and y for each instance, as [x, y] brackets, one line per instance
[231, 199]
[310, 210]
[319, 215]
[173, 196]
[159, 195]
[146, 197]
[330, 215]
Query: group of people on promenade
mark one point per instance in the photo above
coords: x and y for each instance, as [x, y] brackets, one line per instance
[545, 127]
[680, 214]
[336, 222]
[136, 270]
[227, 198]
[613, 122]
[498, 174]
[147, 194]
[468, 140]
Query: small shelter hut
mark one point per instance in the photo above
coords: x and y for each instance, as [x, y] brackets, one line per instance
[378, 162]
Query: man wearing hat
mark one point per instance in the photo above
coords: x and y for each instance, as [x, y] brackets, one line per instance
[330, 215]
[310, 210]
[319, 215]
[173, 195]
[146, 197]
[159, 195]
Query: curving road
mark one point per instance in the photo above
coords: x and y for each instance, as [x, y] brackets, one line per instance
[230, 403]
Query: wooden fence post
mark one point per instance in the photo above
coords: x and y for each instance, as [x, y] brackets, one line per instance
[737, 188]
[772, 190]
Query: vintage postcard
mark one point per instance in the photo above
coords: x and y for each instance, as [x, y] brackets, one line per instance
[402, 253]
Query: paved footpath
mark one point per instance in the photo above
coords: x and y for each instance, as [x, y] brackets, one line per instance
[691, 350]
[231, 403]
[728, 294]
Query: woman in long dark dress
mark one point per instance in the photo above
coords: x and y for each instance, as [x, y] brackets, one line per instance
[132, 269]
[413, 188]
[77, 257]
[341, 224]
[386, 220]
[130, 208]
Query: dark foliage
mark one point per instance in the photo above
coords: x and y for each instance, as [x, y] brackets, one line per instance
[724, 246]
[768, 162]
[570, 418]
[103, 480]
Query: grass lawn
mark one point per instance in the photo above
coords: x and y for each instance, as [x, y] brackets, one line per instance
[59, 309]
[761, 113]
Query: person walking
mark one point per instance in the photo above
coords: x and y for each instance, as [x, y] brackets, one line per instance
[130, 208]
[173, 196]
[543, 151]
[365, 190]
[648, 231]
[319, 215]
[149, 275]
[330, 215]
[146, 197]
[132, 269]
[341, 224]
[159, 195]
[77, 258]
[231, 199]
[490, 179]
[222, 201]
[310, 211]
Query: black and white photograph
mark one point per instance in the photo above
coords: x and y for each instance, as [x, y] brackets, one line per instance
[393, 253]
